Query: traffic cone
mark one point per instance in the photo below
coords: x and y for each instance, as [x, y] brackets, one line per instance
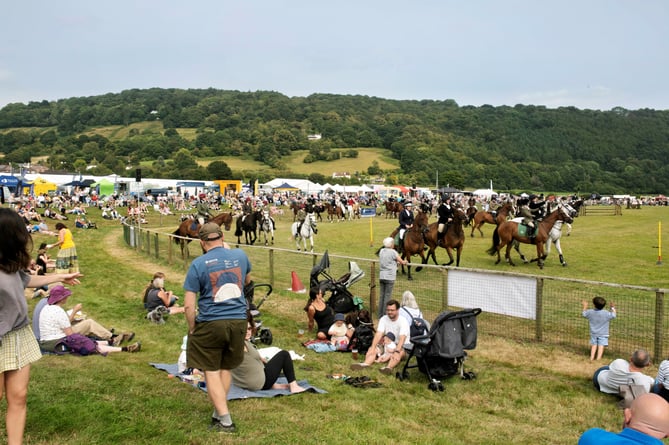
[296, 284]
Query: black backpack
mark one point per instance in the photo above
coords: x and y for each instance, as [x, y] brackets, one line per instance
[417, 327]
[362, 338]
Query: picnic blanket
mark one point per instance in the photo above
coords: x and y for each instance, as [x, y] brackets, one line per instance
[235, 391]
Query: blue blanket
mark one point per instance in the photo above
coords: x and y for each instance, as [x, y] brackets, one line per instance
[236, 392]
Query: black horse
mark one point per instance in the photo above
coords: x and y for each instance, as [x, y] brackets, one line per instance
[248, 225]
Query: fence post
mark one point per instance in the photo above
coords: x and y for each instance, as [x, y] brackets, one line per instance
[372, 287]
[157, 246]
[444, 289]
[271, 267]
[659, 325]
[539, 315]
[170, 241]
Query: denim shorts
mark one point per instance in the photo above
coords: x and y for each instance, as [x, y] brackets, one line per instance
[599, 340]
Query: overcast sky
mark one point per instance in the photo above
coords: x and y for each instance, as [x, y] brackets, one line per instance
[595, 54]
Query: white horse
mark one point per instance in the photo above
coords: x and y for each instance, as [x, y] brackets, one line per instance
[306, 232]
[554, 236]
[267, 226]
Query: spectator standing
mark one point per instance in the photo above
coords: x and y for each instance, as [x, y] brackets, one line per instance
[599, 321]
[388, 259]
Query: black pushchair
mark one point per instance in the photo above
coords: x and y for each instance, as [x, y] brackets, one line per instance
[341, 300]
[442, 352]
[263, 334]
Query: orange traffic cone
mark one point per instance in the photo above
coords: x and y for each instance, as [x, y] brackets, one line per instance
[296, 284]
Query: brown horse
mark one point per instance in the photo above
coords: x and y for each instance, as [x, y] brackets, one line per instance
[334, 212]
[190, 228]
[453, 239]
[481, 217]
[393, 208]
[414, 242]
[508, 231]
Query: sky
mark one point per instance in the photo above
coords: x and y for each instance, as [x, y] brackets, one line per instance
[589, 54]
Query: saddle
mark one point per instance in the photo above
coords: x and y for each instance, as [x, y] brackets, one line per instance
[525, 230]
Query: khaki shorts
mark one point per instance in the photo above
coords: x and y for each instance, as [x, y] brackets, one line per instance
[216, 345]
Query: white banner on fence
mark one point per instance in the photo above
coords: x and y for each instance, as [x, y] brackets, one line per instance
[499, 294]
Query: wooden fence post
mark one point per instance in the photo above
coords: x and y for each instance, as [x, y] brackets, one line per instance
[539, 310]
[659, 326]
[271, 267]
[372, 287]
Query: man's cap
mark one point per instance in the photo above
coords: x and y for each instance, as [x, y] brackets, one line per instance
[210, 232]
[408, 204]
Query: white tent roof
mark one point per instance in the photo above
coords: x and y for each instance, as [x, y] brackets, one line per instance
[488, 193]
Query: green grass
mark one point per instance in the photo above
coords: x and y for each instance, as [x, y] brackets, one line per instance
[525, 393]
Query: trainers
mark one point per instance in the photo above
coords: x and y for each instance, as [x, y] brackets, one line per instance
[386, 370]
[359, 366]
[127, 336]
[216, 425]
[135, 347]
[116, 340]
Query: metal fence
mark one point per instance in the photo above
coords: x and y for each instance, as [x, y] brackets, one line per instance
[555, 310]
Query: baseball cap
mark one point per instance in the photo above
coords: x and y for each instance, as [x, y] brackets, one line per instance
[210, 232]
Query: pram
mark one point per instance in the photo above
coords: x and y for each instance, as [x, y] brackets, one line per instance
[263, 334]
[442, 352]
[341, 300]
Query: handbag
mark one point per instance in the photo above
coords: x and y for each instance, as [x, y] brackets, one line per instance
[628, 393]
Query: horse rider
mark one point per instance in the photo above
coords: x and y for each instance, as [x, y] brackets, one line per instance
[301, 216]
[537, 207]
[202, 208]
[247, 208]
[406, 219]
[525, 212]
[493, 207]
[445, 212]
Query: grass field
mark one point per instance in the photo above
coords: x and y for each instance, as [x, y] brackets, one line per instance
[524, 393]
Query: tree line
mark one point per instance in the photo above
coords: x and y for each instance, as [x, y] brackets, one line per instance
[524, 147]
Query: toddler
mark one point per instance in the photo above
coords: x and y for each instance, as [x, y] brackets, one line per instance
[599, 320]
[386, 351]
[337, 333]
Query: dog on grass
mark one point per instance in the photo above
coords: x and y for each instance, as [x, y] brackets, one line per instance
[158, 315]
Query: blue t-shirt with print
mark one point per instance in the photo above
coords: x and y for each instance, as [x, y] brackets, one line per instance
[218, 276]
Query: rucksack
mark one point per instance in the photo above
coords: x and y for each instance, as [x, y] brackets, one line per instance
[80, 344]
[417, 327]
[362, 338]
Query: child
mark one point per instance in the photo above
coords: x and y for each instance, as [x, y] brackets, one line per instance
[337, 333]
[389, 346]
[599, 320]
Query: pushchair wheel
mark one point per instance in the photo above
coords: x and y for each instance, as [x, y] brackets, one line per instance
[266, 336]
[468, 375]
[434, 386]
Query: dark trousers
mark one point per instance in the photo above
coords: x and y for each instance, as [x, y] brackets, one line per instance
[280, 362]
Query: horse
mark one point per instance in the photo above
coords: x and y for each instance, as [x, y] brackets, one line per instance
[306, 232]
[318, 210]
[453, 239]
[189, 228]
[247, 225]
[334, 212]
[481, 217]
[393, 208]
[507, 231]
[266, 225]
[414, 243]
[295, 207]
[554, 235]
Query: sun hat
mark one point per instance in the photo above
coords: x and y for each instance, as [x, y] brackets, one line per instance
[210, 232]
[339, 317]
[391, 336]
[408, 204]
[58, 293]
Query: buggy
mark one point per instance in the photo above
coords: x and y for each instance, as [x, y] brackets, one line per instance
[341, 300]
[263, 334]
[442, 352]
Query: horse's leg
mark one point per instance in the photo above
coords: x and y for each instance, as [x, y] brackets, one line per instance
[516, 247]
[478, 226]
[458, 252]
[540, 255]
[450, 255]
[559, 249]
[507, 255]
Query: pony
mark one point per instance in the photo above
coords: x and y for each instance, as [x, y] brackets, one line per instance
[481, 217]
[453, 239]
[414, 243]
[507, 231]
[247, 225]
[266, 226]
[306, 232]
[295, 207]
[393, 208]
[334, 212]
[189, 228]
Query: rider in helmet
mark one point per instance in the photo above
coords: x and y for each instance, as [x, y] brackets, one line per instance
[406, 219]
[445, 212]
[493, 207]
[537, 206]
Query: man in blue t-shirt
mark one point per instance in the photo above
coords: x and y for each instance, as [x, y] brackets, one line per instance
[216, 336]
[646, 422]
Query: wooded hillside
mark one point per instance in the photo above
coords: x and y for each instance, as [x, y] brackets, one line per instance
[523, 147]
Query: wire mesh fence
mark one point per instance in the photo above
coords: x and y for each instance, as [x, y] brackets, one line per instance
[521, 307]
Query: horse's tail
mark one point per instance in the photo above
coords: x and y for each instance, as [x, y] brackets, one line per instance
[176, 233]
[495, 241]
